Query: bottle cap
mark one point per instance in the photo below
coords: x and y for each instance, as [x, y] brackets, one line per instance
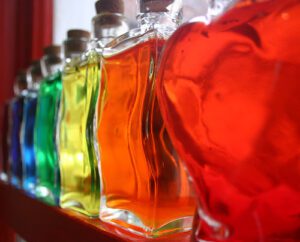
[76, 42]
[147, 6]
[111, 6]
[52, 50]
[52, 59]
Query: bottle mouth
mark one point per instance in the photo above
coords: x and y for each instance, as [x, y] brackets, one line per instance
[109, 25]
[72, 47]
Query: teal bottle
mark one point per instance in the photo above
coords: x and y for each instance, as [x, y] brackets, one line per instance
[47, 167]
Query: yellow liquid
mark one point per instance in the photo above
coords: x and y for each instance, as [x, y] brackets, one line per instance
[80, 185]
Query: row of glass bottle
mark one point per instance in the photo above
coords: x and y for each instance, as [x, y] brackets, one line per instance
[102, 109]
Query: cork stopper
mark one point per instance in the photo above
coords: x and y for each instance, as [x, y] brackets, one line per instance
[76, 42]
[147, 6]
[52, 50]
[78, 34]
[110, 6]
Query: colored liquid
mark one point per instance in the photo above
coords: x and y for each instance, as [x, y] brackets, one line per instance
[27, 146]
[4, 142]
[16, 113]
[229, 94]
[80, 185]
[145, 187]
[47, 167]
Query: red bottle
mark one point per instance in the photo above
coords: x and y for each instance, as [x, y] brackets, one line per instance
[229, 93]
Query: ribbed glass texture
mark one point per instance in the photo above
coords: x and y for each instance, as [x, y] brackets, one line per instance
[27, 145]
[47, 167]
[16, 115]
[80, 185]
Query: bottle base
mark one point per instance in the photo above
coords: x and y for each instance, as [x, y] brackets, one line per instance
[78, 207]
[130, 222]
[44, 194]
[3, 177]
[16, 182]
[29, 188]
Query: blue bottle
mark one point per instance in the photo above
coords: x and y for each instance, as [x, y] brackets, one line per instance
[16, 116]
[34, 76]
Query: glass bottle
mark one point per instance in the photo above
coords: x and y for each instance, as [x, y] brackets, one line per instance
[229, 91]
[4, 142]
[81, 81]
[47, 167]
[34, 76]
[144, 185]
[15, 122]
[78, 189]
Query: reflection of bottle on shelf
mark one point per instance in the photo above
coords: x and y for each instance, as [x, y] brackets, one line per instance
[144, 185]
[34, 76]
[15, 122]
[47, 168]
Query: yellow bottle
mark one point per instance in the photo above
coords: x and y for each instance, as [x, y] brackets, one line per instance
[79, 177]
[80, 183]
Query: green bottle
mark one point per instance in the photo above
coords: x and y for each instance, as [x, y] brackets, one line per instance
[47, 167]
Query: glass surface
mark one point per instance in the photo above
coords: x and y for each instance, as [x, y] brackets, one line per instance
[4, 142]
[144, 185]
[27, 145]
[47, 167]
[15, 159]
[229, 95]
[78, 162]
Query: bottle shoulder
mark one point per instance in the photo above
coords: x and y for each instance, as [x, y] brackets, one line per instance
[133, 39]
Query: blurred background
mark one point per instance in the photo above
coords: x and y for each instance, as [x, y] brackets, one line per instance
[26, 26]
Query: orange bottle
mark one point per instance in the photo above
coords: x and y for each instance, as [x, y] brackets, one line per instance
[144, 184]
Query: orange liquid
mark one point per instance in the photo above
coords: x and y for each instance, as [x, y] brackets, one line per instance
[229, 93]
[141, 172]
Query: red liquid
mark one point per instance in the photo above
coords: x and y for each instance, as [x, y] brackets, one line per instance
[230, 96]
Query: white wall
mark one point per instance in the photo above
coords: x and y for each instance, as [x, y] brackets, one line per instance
[70, 14]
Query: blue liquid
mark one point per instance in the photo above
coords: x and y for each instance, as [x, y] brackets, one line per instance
[15, 147]
[29, 171]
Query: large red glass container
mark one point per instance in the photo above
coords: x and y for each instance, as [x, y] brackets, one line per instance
[229, 93]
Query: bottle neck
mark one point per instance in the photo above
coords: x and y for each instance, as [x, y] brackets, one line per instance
[74, 48]
[51, 65]
[159, 20]
[215, 9]
[108, 26]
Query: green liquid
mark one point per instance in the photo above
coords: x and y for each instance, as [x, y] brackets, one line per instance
[47, 167]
